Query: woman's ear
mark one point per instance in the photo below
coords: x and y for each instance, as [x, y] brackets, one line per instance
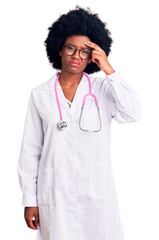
[60, 53]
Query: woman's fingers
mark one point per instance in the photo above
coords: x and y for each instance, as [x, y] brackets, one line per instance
[30, 223]
[93, 45]
[36, 219]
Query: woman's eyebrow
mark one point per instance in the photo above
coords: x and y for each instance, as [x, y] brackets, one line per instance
[81, 48]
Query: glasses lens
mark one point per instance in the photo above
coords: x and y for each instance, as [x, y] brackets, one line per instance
[85, 54]
[69, 50]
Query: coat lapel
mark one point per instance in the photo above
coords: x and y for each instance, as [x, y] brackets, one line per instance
[82, 89]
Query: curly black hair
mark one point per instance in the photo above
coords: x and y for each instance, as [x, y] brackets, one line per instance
[77, 22]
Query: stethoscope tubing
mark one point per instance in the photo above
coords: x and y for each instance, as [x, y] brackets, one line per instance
[57, 96]
[83, 102]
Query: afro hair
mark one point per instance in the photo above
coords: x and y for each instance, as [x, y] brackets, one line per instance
[77, 22]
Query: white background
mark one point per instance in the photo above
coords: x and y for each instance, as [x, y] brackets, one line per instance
[134, 147]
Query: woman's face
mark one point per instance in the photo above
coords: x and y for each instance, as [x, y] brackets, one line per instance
[77, 42]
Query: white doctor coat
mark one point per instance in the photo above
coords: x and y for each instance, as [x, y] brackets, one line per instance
[67, 173]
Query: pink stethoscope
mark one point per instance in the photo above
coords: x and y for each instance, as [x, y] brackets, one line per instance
[62, 124]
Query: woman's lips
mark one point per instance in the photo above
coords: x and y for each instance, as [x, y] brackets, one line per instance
[74, 64]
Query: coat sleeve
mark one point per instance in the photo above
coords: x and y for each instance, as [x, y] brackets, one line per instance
[124, 103]
[30, 153]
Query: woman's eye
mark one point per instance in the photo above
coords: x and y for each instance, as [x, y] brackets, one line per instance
[70, 48]
[86, 52]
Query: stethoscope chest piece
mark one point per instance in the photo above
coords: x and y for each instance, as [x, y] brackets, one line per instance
[61, 124]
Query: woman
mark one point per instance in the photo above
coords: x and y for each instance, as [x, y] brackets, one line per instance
[65, 166]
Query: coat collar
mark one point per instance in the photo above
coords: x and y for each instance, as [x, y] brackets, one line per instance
[81, 91]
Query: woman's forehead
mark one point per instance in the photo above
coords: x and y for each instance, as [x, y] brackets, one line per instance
[77, 40]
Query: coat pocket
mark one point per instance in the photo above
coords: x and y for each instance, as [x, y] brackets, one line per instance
[99, 179]
[45, 186]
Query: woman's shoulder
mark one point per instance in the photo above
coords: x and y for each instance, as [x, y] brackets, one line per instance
[47, 85]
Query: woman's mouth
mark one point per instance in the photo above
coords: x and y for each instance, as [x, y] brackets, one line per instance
[74, 64]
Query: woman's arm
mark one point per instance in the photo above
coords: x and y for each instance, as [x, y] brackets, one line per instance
[124, 103]
[30, 153]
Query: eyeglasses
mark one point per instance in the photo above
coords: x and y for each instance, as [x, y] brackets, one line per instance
[84, 53]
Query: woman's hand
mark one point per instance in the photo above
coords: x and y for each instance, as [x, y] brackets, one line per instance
[99, 57]
[29, 213]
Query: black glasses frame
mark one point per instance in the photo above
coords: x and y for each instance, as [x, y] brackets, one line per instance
[75, 49]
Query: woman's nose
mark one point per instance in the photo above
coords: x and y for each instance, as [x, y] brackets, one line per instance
[76, 54]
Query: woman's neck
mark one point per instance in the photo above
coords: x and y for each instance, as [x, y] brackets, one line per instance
[70, 79]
